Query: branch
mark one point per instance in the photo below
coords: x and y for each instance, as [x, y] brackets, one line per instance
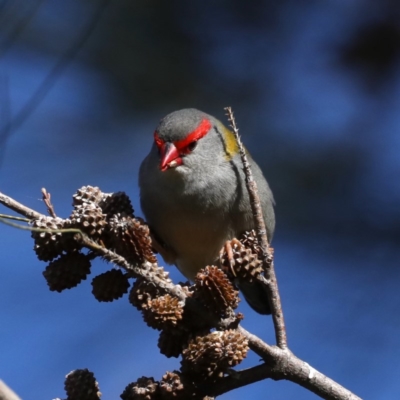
[242, 378]
[269, 271]
[13, 218]
[18, 207]
[46, 197]
[146, 271]
[6, 393]
[279, 363]
[285, 365]
[143, 270]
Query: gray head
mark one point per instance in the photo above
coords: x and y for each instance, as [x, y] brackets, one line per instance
[192, 138]
[179, 124]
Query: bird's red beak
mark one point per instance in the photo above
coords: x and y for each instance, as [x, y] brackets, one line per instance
[170, 157]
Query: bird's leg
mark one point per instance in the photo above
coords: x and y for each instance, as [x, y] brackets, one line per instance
[229, 254]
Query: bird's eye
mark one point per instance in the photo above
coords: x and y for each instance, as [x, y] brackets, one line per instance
[192, 145]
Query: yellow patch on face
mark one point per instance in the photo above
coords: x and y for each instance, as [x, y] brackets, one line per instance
[231, 146]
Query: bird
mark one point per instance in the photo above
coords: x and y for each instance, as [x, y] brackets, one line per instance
[194, 197]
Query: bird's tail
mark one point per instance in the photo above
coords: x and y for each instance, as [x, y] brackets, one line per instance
[256, 295]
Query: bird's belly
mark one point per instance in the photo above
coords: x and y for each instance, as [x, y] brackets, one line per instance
[197, 240]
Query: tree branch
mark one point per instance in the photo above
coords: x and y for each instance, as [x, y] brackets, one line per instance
[6, 393]
[285, 365]
[269, 271]
[242, 378]
[280, 363]
[18, 207]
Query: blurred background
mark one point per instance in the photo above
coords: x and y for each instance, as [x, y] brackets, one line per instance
[315, 87]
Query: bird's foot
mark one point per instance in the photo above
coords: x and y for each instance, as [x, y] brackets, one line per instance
[229, 255]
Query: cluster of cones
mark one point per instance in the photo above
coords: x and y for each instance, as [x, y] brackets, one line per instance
[81, 384]
[109, 221]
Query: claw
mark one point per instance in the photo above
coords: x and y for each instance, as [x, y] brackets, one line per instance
[229, 254]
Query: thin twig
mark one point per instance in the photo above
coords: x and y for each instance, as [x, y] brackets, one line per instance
[33, 229]
[267, 352]
[14, 218]
[141, 270]
[18, 207]
[46, 197]
[146, 271]
[269, 271]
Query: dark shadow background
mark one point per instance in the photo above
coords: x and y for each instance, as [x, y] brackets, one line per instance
[315, 88]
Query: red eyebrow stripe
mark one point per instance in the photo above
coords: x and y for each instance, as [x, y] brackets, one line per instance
[159, 142]
[198, 133]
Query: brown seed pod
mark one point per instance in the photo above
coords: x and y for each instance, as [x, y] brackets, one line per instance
[172, 342]
[212, 355]
[246, 265]
[142, 232]
[67, 271]
[49, 245]
[142, 293]
[110, 285]
[163, 312]
[81, 385]
[90, 219]
[143, 389]
[250, 241]
[173, 386]
[215, 290]
[87, 194]
[130, 237]
[117, 203]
